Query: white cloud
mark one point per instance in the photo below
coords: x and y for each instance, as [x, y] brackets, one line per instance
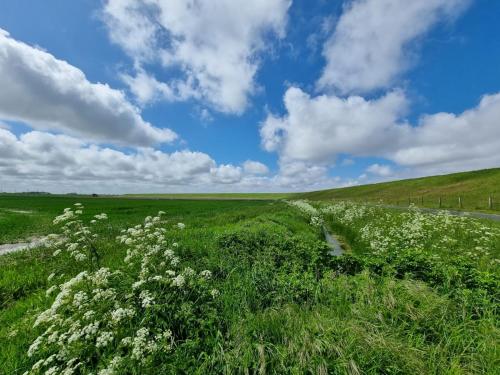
[380, 170]
[226, 174]
[59, 158]
[60, 163]
[47, 93]
[371, 43]
[215, 45]
[255, 168]
[205, 116]
[146, 88]
[450, 142]
[317, 129]
[298, 174]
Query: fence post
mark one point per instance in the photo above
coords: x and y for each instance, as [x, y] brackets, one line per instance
[409, 201]
[422, 201]
[440, 202]
[459, 202]
[490, 202]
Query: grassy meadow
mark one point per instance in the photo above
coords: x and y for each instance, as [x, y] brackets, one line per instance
[245, 286]
[214, 196]
[474, 188]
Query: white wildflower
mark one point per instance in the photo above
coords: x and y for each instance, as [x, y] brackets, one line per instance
[146, 298]
[104, 339]
[121, 313]
[206, 274]
[35, 346]
[52, 289]
[80, 257]
[52, 371]
[178, 281]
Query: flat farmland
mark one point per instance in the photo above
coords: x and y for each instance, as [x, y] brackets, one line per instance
[148, 286]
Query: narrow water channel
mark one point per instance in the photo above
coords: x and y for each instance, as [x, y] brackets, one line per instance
[336, 247]
[11, 247]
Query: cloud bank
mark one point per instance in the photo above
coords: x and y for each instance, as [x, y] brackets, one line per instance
[62, 163]
[318, 129]
[47, 93]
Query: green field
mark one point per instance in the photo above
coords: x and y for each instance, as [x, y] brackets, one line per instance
[415, 293]
[215, 196]
[474, 188]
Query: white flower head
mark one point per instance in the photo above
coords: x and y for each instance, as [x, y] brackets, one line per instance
[178, 281]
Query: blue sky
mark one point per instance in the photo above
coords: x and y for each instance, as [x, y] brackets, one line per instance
[271, 95]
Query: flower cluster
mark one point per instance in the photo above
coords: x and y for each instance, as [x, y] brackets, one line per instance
[308, 210]
[385, 230]
[77, 239]
[107, 321]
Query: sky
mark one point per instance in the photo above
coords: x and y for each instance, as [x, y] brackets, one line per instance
[165, 96]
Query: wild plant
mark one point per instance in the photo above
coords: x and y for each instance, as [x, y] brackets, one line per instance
[105, 321]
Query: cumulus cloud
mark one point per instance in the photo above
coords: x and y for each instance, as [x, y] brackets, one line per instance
[371, 43]
[215, 45]
[255, 168]
[300, 174]
[146, 88]
[447, 141]
[226, 174]
[43, 156]
[318, 129]
[380, 170]
[47, 93]
[60, 163]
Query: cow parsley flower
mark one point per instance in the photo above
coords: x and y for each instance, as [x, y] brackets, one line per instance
[121, 313]
[146, 298]
[104, 339]
[206, 274]
[178, 281]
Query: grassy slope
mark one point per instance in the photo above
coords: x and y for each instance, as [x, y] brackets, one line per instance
[474, 188]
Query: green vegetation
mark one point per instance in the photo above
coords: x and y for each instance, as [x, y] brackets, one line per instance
[246, 287]
[474, 188]
[39, 211]
[215, 196]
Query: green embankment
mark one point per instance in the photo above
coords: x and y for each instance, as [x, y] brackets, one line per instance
[472, 188]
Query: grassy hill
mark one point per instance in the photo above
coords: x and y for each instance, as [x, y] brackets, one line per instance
[474, 188]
